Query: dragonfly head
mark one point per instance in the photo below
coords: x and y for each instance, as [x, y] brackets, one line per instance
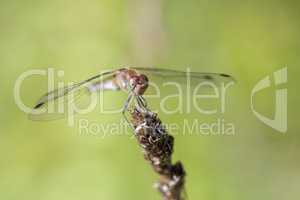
[139, 83]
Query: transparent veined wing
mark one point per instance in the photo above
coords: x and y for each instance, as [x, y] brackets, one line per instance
[53, 105]
[167, 80]
[173, 91]
[169, 74]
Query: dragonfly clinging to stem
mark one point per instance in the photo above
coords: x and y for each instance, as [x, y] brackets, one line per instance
[133, 80]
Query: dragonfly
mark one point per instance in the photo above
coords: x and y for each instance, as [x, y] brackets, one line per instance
[132, 80]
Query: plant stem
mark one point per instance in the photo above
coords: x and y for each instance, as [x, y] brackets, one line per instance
[157, 147]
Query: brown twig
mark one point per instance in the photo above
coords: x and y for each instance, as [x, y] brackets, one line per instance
[157, 147]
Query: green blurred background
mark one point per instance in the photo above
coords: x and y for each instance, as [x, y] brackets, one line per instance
[248, 39]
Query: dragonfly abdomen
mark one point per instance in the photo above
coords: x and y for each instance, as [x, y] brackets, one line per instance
[103, 85]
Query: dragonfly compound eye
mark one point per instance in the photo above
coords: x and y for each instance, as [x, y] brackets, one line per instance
[143, 79]
[134, 81]
[141, 84]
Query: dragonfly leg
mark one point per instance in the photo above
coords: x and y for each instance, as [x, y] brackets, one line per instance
[143, 100]
[125, 108]
[142, 103]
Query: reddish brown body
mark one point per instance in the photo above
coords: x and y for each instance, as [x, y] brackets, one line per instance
[129, 79]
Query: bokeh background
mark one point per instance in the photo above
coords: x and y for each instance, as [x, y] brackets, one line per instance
[248, 39]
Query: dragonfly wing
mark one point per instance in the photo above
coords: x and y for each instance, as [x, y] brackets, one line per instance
[168, 74]
[53, 105]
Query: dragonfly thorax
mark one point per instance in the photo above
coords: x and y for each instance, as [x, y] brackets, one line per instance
[131, 80]
[139, 84]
